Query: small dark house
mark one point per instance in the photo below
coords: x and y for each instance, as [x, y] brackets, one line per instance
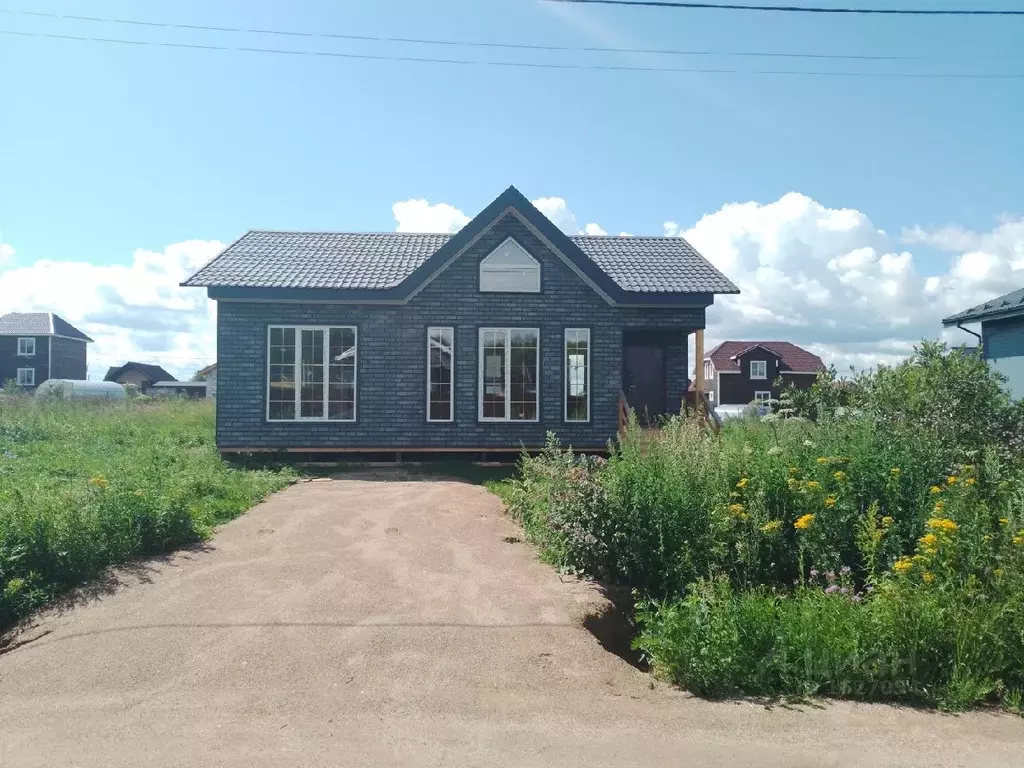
[744, 372]
[36, 346]
[141, 375]
[482, 340]
[1002, 335]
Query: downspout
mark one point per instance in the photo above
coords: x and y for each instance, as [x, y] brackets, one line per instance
[981, 344]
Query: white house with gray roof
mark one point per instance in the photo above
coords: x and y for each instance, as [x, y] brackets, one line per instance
[483, 340]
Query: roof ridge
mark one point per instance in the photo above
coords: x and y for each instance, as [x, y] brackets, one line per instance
[339, 232]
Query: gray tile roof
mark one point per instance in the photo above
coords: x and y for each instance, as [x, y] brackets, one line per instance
[38, 324]
[382, 260]
[1009, 305]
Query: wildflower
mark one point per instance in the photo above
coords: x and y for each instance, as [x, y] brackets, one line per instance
[951, 480]
[857, 598]
[919, 559]
[998, 572]
[803, 523]
[742, 483]
[771, 526]
[830, 501]
[934, 490]
[98, 481]
[1018, 540]
[929, 542]
[793, 470]
[969, 481]
[821, 460]
[793, 484]
[939, 506]
[987, 538]
[1003, 520]
[831, 588]
[895, 471]
[967, 468]
[814, 573]
[808, 444]
[887, 521]
[942, 524]
[737, 509]
[902, 565]
[813, 485]
[928, 577]
[844, 571]
[840, 476]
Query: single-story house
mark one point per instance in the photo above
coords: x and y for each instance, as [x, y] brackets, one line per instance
[191, 389]
[1002, 335]
[744, 372]
[140, 375]
[209, 375]
[486, 339]
[36, 346]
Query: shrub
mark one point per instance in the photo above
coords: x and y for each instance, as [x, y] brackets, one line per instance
[87, 485]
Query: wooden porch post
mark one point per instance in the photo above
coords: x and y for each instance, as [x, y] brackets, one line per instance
[698, 370]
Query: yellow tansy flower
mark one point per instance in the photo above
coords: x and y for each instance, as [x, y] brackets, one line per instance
[813, 485]
[902, 565]
[736, 509]
[803, 523]
[822, 460]
[840, 476]
[894, 471]
[969, 481]
[942, 524]
[830, 501]
[951, 480]
[771, 526]
[742, 483]
[934, 490]
[928, 577]
[1004, 520]
[929, 540]
[1019, 538]
[887, 521]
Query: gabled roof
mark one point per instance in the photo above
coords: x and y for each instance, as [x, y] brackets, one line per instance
[1010, 305]
[394, 265]
[39, 324]
[791, 357]
[152, 372]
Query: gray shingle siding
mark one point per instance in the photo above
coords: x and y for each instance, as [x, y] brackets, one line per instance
[391, 364]
[67, 358]
[11, 361]
[1003, 338]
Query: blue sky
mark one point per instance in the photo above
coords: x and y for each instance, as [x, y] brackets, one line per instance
[106, 148]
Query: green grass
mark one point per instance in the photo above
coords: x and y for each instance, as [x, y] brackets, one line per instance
[87, 485]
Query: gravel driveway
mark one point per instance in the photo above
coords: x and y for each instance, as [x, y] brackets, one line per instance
[370, 622]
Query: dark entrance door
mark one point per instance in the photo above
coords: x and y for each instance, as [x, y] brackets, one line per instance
[644, 379]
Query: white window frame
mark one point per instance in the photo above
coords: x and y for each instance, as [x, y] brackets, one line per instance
[26, 353]
[326, 362]
[759, 400]
[711, 395]
[760, 362]
[451, 384]
[509, 247]
[565, 374]
[508, 375]
[32, 377]
[709, 370]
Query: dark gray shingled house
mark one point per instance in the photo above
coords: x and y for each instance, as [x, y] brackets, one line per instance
[36, 346]
[1002, 335]
[484, 340]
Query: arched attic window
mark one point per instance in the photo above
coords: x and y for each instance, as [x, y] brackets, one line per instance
[509, 269]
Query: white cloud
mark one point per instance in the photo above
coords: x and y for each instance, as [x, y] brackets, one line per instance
[421, 216]
[6, 254]
[135, 311]
[593, 229]
[829, 279]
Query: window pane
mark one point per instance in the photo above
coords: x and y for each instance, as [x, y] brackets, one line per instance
[494, 343]
[311, 371]
[523, 375]
[282, 373]
[341, 390]
[577, 358]
[439, 373]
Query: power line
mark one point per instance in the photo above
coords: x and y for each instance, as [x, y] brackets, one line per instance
[800, 8]
[524, 64]
[468, 43]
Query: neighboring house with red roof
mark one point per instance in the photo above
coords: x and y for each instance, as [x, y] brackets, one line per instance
[742, 372]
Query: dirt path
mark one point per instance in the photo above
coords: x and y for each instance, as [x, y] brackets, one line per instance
[359, 622]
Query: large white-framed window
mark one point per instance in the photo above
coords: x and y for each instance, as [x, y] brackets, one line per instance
[26, 377]
[311, 372]
[440, 374]
[762, 398]
[26, 346]
[577, 374]
[759, 369]
[509, 269]
[509, 389]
